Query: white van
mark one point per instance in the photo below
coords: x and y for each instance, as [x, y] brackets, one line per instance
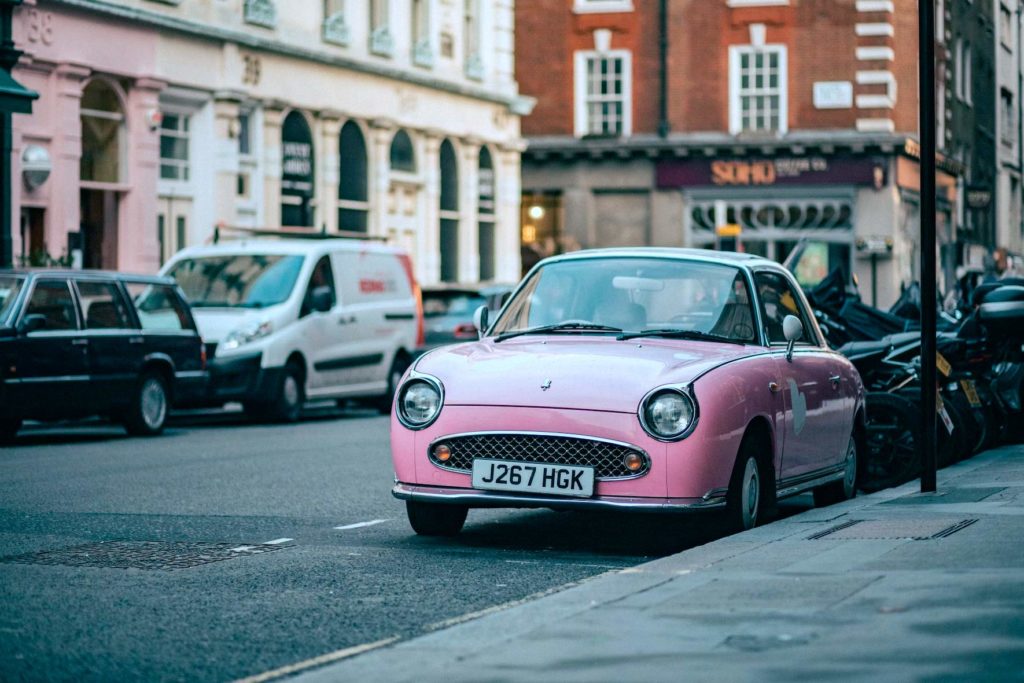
[290, 320]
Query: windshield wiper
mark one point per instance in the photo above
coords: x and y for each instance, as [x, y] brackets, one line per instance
[672, 333]
[558, 327]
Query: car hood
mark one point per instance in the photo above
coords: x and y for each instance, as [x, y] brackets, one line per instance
[216, 323]
[593, 373]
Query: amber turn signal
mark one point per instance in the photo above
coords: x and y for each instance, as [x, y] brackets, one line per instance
[633, 462]
[442, 453]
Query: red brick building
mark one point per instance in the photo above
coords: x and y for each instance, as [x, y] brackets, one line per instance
[657, 121]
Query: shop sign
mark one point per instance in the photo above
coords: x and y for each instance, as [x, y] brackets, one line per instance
[978, 197]
[776, 171]
[296, 157]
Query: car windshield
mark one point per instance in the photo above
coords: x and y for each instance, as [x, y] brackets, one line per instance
[633, 295]
[440, 304]
[9, 288]
[237, 280]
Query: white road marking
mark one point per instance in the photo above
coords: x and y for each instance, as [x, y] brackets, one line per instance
[241, 549]
[359, 525]
[278, 541]
[328, 658]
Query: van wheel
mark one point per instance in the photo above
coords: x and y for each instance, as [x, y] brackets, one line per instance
[8, 429]
[286, 406]
[385, 402]
[846, 488]
[435, 519]
[148, 412]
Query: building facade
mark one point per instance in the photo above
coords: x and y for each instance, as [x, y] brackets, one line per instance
[680, 121]
[1009, 74]
[169, 121]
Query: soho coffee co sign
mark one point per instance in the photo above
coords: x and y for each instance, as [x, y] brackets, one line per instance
[770, 172]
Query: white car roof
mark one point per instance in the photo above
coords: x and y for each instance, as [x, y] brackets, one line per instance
[286, 247]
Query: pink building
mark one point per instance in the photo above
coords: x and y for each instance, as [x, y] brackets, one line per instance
[96, 127]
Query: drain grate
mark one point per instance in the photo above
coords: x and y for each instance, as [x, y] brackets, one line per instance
[952, 496]
[912, 529]
[157, 555]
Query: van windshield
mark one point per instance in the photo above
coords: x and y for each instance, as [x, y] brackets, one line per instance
[237, 280]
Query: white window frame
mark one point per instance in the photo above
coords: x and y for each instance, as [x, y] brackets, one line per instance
[581, 127]
[186, 116]
[735, 110]
[601, 6]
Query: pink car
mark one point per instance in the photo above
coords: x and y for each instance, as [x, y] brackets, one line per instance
[632, 379]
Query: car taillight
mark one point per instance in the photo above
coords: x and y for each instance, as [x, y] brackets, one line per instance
[202, 355]
[465, 331]
[407, 266]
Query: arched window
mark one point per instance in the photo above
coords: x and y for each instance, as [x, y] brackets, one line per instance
[485, 211]
[102, 134]
[403, 156]
[449, 214]
[297, 171]
[353, 204]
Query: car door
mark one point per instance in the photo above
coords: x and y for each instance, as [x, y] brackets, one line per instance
[167, 330]
[320, 331]
[813, 406]
[50, 375]
[115, 347]
[366, 338]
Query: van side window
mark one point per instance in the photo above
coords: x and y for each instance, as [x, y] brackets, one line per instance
[323, 276]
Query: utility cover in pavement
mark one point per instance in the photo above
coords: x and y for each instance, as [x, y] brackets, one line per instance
[912, 529]
[141, 554]
[947, 497]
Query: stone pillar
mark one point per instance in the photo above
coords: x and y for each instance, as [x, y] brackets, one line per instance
[273, 118]
[328, 169]
[137, 245]
[508, 198]
[381, 132]
[469, 191]
[226, 168]
[428, 258]
[66, 155]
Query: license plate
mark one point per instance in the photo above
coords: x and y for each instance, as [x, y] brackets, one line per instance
[529, 477]
[972, 392]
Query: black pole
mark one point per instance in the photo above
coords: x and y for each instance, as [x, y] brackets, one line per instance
[663, 124]
[926, 95]
[6, 202]
[874, 280]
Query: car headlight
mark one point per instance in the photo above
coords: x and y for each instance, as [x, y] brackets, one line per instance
[247, 334]
[419, 402]
[668, 414]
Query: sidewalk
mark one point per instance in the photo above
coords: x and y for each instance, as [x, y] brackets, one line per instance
[844, 592]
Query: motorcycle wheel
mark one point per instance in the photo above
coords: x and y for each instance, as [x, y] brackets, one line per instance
[892, 444]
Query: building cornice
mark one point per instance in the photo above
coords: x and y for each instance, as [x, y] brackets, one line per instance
[516, 104]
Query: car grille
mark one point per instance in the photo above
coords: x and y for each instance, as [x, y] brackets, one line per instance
[605, 457]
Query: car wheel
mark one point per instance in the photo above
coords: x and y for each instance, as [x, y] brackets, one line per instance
[286, 405]
[745, 502]
[394, 379]
[435, 519]
[8, 430]
[148, 412]
[844, 489]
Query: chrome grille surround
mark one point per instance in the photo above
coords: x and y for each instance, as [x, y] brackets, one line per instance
[604, 455]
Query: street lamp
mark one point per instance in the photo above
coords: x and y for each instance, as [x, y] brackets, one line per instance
[14, 99]
[926, 105]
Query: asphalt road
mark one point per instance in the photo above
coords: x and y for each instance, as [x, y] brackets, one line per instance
[138, 595]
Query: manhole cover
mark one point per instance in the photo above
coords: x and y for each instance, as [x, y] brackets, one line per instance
[141, 554]
[948, 497]
[762, 643]
[913, 529]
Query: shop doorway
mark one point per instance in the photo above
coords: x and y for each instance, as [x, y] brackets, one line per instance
[172, 224]
[33, 237]
[99, 219]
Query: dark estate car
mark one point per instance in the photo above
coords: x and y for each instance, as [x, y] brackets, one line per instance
[81, 343]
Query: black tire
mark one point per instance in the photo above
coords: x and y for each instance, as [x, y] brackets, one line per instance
[747, 500]
[150, 405]
[289, 397]
[435, 519]
[891, 455]
[398, 368]
[846, 488]
[8, 430]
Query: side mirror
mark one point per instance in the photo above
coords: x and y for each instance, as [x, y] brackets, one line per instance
[32, 322]
[793, 330]
[480, 320]
[320, 299]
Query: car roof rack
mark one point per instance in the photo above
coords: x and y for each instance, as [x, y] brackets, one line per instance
[293, 233]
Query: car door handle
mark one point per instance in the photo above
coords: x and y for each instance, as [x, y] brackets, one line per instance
[136, 340]
[835, 380]
[346, 321]
[79, 342]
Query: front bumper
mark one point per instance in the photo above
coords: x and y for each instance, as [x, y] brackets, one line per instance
[242, 378]
[481, 499]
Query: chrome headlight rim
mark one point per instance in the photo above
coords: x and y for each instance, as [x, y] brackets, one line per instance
[412, 379]
[687, 393]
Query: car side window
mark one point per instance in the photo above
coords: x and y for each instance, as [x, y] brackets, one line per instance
[159, 307]
[777, 301]
[52, 300]
[322, 276]
[103, 307]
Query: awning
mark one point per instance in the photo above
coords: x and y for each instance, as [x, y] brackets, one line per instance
[14, 97]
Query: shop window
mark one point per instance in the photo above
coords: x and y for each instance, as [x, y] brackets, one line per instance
[485, 212]
[604, 99]
[403, 156]
[353, 204]
[102, 134]
[449, 214]
[174, 144]
[297, 171]
[758, 89]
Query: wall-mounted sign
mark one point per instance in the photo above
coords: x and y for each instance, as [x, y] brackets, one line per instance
[296, 171]
[770, 172]
[979, 197]
[833, 95]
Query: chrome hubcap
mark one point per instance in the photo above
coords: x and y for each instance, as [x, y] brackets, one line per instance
[154, 403]
[751, 492]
